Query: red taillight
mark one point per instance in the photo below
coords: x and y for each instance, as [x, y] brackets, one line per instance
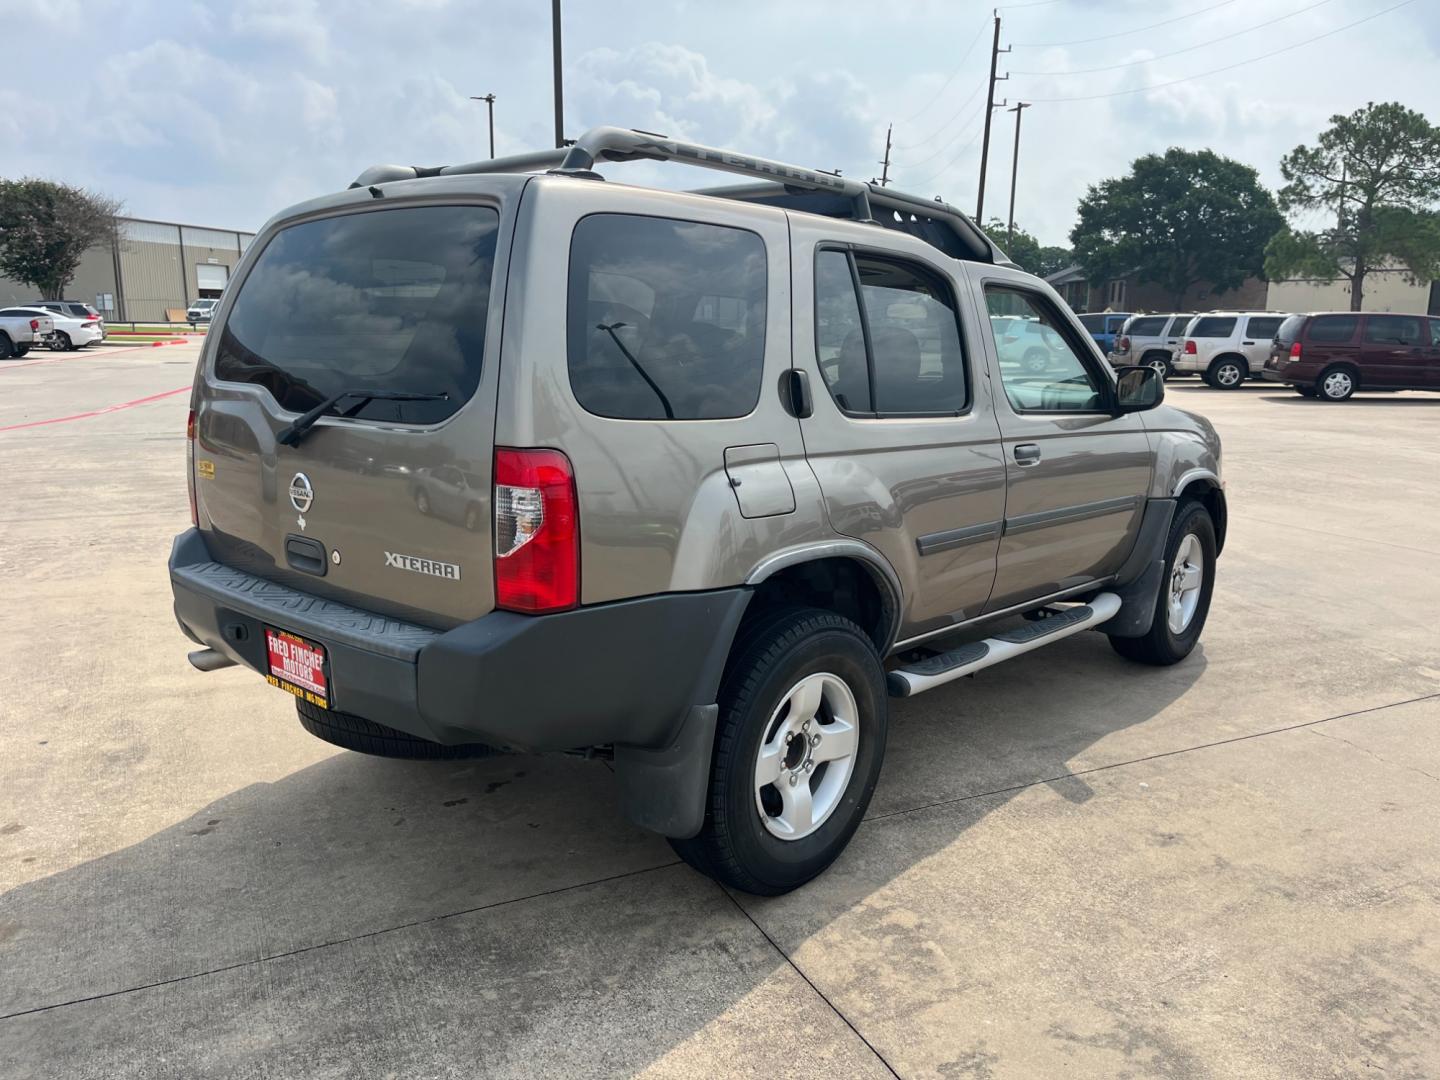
[1295, 351]
[537, 532]
[1190, 349]
[35, 325]
[1123, 345]
[190, 466]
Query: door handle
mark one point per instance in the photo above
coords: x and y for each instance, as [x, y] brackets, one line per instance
[1027, 454]
[797, 389]
[1247, 343]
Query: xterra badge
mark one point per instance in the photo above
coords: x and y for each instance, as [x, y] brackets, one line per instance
[417, 565]
[302, 495]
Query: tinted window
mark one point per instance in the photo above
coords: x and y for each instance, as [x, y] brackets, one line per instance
[1056, 380]
[1264, 327]
[78, 310]
[666, 318]
[15, 312]
[1395, 330]
[1333, 328]
[384, 300]
[917, 362]
[1149, 326]
[1094, 323]
[1177, 328]
[1290, 328]
[1435, 332]
[905, 325]
[1210, 326]
[839, 336]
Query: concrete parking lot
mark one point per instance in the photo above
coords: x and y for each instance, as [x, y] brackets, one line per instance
[1073, 866]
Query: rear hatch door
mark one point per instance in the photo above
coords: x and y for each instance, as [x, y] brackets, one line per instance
[383, 504]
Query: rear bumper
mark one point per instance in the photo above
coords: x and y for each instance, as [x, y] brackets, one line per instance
[623, 674]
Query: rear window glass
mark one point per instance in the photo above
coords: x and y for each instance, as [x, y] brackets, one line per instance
[1332, 328]
[666, 318]
[1149, 326]
[1212, 327]
[1290, 328]
[1264, 327]
[392, 300]
[1396, 330]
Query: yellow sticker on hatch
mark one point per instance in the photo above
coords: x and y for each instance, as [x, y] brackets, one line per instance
[205, 469]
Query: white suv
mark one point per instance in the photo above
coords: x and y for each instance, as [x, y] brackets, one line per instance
[1150, 340]
[1228, 347]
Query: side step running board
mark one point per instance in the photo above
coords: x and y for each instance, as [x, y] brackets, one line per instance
[938, 670]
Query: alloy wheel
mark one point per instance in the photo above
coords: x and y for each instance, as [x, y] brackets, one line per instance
[807, 757]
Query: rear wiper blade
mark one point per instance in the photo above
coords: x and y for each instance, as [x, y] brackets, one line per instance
[293, 432]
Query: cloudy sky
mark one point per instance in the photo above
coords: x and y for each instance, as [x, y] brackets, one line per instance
[221, 113]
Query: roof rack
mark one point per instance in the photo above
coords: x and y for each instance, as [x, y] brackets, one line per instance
[791, 186]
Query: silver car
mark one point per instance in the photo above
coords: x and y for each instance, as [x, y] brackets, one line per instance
[1150, 340]
[693, 481]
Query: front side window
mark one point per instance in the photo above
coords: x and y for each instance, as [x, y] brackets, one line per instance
[386, 300]
[1211, 326]
[1048, 375]
[1395, 330]
[1333, 329]
[666, 318]
[894, 348]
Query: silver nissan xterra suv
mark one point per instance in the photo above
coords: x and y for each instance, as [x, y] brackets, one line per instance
[505, 456]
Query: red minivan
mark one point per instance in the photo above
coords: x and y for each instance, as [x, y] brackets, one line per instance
[1331, 354]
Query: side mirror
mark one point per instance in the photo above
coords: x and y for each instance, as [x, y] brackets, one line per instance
[1138, 389]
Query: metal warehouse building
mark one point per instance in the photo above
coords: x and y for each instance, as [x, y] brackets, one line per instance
[155, 267]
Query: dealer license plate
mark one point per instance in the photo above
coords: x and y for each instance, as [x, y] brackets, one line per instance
[297, 666]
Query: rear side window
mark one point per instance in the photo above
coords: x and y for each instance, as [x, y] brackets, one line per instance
[1332, 328]
[1435, 332]
[1290, 328]
[895, 348]
[1149, 326]
[392, 300]
[1094, 323]
[1395, 330]
[1211, 327]
[666, 318]
[1177, 328]
[1264, 327]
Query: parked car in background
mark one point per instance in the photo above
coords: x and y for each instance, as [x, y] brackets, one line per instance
[1227, 347]
[1330, 355]
[1150, 340]
[21, 329]
[200, 311]
[74, 309]
[68, 332]
[1026, 343]
[1105, 326]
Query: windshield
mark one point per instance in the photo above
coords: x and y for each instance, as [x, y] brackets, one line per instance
[388, 300]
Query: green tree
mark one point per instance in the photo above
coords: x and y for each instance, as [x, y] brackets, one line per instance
[45, 229]
[1378, 172]
[1026, 251]
[1177, 219]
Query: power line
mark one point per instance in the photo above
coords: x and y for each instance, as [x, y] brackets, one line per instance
[1177, 52]
[948, 143]
[948, 165]
[1120, 33]
[959, 64]
[1232, 67]
[931, 138]
[1032, 3]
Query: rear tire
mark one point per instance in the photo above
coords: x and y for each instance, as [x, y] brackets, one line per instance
[21, 350]
[1337, 383]
[7, 348]
[1161, 363]
[367, 737]
[63, 342]
[742, 842]
[1192, 538]
[1227, 373]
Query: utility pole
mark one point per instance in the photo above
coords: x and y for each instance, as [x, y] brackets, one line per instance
[885, 165]
[995, 52]
[1020, 106]
[559, 88]
[489, 100]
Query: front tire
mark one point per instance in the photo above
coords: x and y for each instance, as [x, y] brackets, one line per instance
[63, 342]
[1184, 599]
[7, 348]
[798, 748]
[1227, 374]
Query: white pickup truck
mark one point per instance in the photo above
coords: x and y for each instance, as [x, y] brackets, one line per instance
[21, 329]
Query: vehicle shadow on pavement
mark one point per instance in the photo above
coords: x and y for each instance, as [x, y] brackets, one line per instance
[498, 916]
[1361, 398]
